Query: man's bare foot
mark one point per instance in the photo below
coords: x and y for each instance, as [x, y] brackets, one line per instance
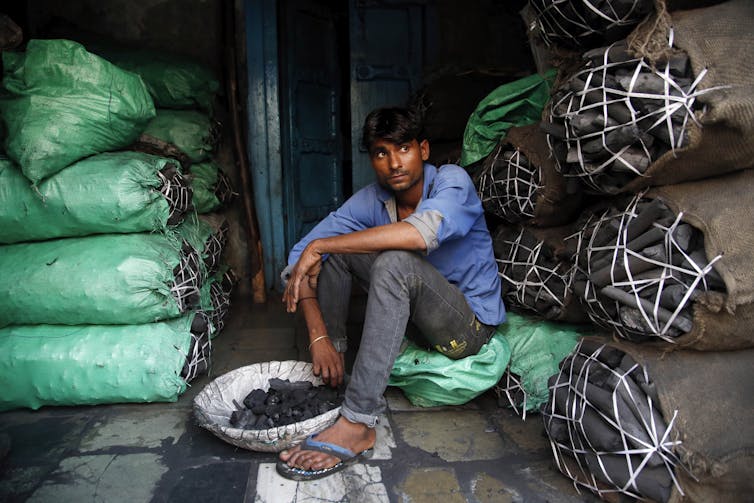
[356, 437]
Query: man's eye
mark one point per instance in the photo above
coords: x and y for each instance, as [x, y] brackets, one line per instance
[404, 148]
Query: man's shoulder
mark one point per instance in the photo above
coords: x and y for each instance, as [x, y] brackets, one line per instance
[454, 174]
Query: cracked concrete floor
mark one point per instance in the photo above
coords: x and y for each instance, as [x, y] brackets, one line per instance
[153, 452]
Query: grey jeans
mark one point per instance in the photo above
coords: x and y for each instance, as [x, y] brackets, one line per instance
[402, 287]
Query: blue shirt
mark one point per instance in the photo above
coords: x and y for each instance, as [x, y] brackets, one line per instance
[449, 217]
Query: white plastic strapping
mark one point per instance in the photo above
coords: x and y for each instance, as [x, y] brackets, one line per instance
[570, 21]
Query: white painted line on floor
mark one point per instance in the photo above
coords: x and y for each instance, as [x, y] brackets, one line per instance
[360, 482]
[385, 440]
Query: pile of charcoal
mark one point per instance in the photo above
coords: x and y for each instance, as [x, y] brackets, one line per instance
[534, 277]
[640, 269]
[581, 23]
[284, 403]
[508, 185]
[605, 426]
[612, 119]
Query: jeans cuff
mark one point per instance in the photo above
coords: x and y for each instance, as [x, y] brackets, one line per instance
[369, 420]
[341, 345]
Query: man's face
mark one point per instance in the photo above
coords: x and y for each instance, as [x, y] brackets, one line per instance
[399, 166]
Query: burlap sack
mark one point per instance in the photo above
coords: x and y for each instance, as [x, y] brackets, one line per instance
[719, 39]
[712, 394]
[554, 206]
[721, 208]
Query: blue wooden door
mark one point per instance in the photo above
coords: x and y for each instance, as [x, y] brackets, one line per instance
[386, 60]
[312, 141]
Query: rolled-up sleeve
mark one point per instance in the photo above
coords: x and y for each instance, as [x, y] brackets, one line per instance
[428, 225]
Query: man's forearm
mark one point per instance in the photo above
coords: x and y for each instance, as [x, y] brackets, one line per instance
[396, 236]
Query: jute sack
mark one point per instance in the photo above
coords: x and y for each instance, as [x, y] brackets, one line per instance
[721, 208]
[712, 394]
[555, 205]
[719, 40]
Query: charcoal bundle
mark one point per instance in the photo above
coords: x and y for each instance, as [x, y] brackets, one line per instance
[208, 236]
[119, 192]
[212, 188]
[189, 136]
[510, 393]
[641, 270]
[284, 403]
[612, 119]
[508, 185]
[721, 139]
[199, 354]
[106, 279]
[587, 23]
[215, 305]
[215, 246]
[519, 182]
[626, 419]
[535, 275]
[606, 428]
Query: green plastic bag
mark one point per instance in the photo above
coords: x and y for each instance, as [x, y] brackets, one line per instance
[109, 279]
[537, 348]
[211, 186]
[517, 103]
[61, 103]
[115, 192]
[93, 364]
[429, 378]
[173, 81]
[192, 132]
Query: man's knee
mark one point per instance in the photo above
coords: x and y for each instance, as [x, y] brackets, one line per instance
[394, 263]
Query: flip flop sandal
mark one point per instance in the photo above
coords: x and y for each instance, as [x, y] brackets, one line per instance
[346, 457]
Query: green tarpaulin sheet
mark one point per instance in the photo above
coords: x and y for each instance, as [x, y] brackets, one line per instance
[537, 348]
[105, 279]
[61, 103]
[517, 103]
[429, 378]
[106, 193]
[93, 364]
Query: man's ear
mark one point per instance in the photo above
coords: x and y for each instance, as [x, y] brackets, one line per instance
[424, 147]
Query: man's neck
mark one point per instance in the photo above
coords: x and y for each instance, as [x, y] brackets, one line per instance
[407, 201]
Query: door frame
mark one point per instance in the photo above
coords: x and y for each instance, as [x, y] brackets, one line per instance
[264, 144]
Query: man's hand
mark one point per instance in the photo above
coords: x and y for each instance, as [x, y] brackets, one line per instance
[306, 269]
[328, 363]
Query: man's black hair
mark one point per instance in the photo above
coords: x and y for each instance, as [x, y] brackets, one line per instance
[393, 124]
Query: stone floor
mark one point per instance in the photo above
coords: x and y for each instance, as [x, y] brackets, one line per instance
[154, 452]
